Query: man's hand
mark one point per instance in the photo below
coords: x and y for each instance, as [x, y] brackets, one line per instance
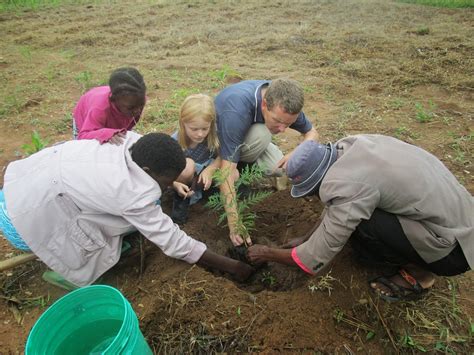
[183, 190]
[242, 271]
[118, 138]
[258, 253]
[283, 161]
[238, 240]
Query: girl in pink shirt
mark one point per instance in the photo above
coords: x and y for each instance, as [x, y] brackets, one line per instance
[106, 113]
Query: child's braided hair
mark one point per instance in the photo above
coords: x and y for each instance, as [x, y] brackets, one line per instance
[127, 81]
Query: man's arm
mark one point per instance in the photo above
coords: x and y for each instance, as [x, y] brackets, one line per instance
[312, 134]
[239, 270]
[261, 253]
[229, 196]
[160, 230]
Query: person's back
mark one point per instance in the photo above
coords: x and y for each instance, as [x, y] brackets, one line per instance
[71, 202]
[93, 175]
[410, 181]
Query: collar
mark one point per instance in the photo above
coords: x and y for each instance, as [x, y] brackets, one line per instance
[258, 101]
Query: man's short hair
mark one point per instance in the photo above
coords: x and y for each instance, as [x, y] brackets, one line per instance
[159, 152]
[285, 93]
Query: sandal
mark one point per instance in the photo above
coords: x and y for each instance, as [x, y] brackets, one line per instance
[399, 293]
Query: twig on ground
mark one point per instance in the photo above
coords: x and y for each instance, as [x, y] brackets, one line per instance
[385, 326]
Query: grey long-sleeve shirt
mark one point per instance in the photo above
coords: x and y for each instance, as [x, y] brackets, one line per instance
[373, 171]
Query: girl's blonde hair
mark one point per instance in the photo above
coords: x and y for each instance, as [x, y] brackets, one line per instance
[198, 106]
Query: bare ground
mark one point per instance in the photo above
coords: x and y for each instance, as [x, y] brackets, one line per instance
[366, 66]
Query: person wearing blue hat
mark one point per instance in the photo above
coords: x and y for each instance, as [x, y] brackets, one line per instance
[397, 204]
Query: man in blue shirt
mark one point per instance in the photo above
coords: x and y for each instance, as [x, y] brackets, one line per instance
[248, 114]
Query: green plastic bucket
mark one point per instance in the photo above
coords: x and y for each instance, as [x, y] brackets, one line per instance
[95, 319]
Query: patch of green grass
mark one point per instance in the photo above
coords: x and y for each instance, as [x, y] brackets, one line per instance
[404, 133]
[85, 79]
[37, 143]
[51, 73]
[221, 76]
[422, 31]
[396, 103]
[442, 3]
[407, 341]
[64, 124]
[25, 52]
[12, 103]
[15, 5]
[461, 146]
[435, 323]
[180, 94]
[423, 114]
[268, 279]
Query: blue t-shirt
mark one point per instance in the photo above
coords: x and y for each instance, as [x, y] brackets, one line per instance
[200, 154]
[238, 107]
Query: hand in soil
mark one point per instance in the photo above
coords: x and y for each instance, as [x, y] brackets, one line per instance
[239, 253]
[258, 253]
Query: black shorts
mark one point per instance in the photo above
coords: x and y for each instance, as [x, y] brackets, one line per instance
[381, 240]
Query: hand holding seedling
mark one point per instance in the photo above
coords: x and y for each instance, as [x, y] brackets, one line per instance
[235, 207]
[238, 240]
[117, 138]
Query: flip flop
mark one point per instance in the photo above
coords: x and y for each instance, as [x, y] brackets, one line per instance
[57, 280]
[399, 293]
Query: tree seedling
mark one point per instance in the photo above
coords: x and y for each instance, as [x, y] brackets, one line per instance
[245, 221]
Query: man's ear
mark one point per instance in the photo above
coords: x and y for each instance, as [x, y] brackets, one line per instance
[264, 104]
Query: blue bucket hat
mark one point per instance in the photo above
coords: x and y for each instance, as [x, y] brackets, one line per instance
[308, 165]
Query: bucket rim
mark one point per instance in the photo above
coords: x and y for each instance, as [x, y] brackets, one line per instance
[64, 302]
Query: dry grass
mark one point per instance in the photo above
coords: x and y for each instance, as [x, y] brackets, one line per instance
[172, 326]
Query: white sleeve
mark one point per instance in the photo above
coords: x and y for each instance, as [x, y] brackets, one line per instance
[158, 227]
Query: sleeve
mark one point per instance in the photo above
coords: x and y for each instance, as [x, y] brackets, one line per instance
[302, 124]
[348, 203]
[93, 127]
[232, 128]
[161, 231]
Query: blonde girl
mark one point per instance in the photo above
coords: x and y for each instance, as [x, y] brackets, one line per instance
[198, 137]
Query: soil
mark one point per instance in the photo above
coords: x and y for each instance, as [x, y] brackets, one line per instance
[366, 66]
